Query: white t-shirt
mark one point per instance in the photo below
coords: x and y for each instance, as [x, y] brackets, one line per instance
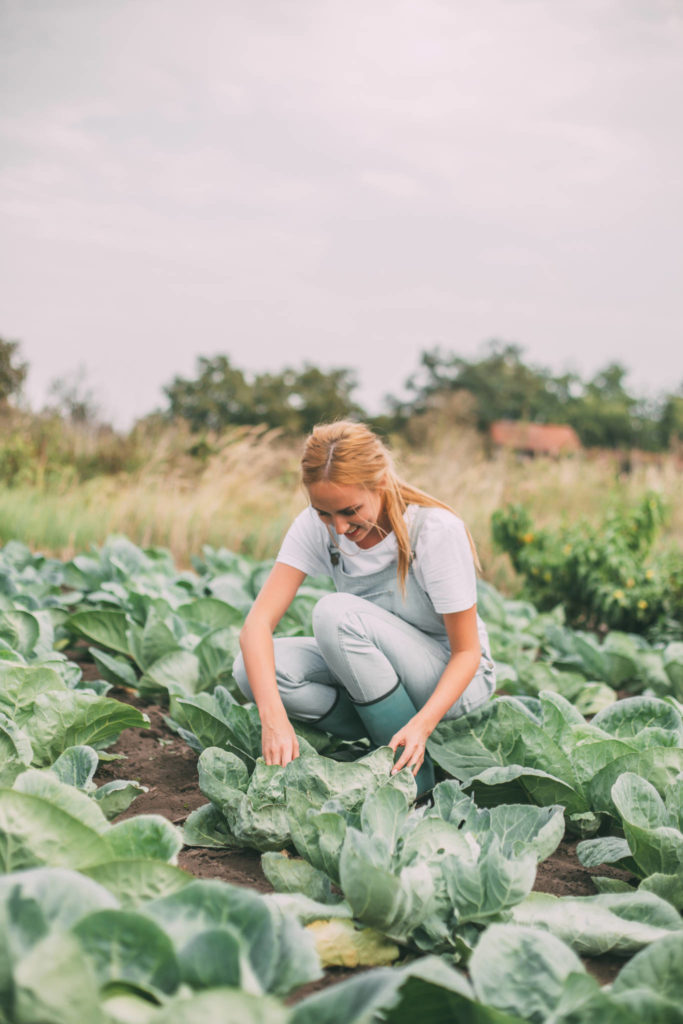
[443, 564]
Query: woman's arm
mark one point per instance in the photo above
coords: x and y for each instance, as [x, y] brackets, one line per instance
[457, 675]
[278, 739]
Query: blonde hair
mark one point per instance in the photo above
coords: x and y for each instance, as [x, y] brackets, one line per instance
[350, 454]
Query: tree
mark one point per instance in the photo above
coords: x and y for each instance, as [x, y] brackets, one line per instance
[671, 419]
[74, 399]
[503, 386]
[292, 400]
[322, 396]
[218, 396]
[12, 371]
[604, 414]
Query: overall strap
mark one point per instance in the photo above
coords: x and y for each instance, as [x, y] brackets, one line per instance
[419, 517]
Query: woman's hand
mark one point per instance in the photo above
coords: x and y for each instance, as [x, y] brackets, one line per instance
[412, 737]
[279, 742]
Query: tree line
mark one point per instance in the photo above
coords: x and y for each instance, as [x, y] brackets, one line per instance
[498, 384]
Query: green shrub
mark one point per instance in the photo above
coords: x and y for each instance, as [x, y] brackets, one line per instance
[604, 575]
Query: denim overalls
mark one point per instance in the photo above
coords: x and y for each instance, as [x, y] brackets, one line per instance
[416, 609]
[367, 638]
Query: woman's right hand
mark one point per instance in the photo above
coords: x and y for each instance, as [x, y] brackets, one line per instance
[279, 742]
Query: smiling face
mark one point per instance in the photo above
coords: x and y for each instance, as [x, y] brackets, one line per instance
[353, 512]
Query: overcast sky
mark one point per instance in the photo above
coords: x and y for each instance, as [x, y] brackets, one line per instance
[346, 182]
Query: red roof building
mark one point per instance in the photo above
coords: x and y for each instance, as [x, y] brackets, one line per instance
[535, 438]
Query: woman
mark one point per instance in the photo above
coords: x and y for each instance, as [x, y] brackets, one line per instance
[399, 646]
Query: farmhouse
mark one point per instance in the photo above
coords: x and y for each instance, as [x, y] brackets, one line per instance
[534, 438]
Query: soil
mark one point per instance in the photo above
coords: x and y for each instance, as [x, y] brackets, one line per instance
[158, 759]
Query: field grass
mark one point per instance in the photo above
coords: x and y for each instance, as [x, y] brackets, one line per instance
[244, 495]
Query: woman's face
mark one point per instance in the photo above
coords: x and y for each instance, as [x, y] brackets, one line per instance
[353, 512]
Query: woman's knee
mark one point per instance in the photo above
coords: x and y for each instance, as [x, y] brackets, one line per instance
[330, 613]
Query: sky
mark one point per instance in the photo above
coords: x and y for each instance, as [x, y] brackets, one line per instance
[341, 182]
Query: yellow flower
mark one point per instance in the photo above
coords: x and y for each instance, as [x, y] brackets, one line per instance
[567, 549]
[618, 595]
[527, 538]
[642, 605]
[547, 577]
[630, 582]
[650, 574]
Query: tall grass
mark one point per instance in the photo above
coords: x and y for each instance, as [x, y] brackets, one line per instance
[243, 492]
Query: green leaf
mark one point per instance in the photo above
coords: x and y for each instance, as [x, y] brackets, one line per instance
[34, 832]
[660, 765]
[210, 728]
[21, 684]
[582, 1001]
[630, 716]
[658, 968]
[280, 951]
[143, 837]
[320, 778]
[426, 989]
[521, 827]
[116, 670]
[207, 826]
[605, 850]
[384, 813]
[593, 698]
[515, 783]
[210, 613]
[616, 923]
[291, 874]
[175, 669]
[480, 889]
[106, 628]
[54, 983]
[76, 767]
[216, 653]
[318, 835]
[77, 718]
[135, 882]
[157, 640]
[232, 590]
[521, 970]
[21, 631]
[673, 666]
[501, 735]
[115, 797]
[225, 1005]
[124, 946]
[47, 786]
[16, 752]
[667, 887]
[395, 904]
[216, 957]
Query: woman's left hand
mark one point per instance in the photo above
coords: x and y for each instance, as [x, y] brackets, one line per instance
[412, 737]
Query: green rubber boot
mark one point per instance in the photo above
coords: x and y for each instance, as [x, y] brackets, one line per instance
[384, 717]
[342, 719]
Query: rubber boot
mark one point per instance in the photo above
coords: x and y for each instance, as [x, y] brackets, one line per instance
[384, 717]
[342, 719]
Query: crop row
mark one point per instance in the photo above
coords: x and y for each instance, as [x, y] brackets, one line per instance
[99, 923]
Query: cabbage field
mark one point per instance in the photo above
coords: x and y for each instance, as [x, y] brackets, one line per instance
[437, 903]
